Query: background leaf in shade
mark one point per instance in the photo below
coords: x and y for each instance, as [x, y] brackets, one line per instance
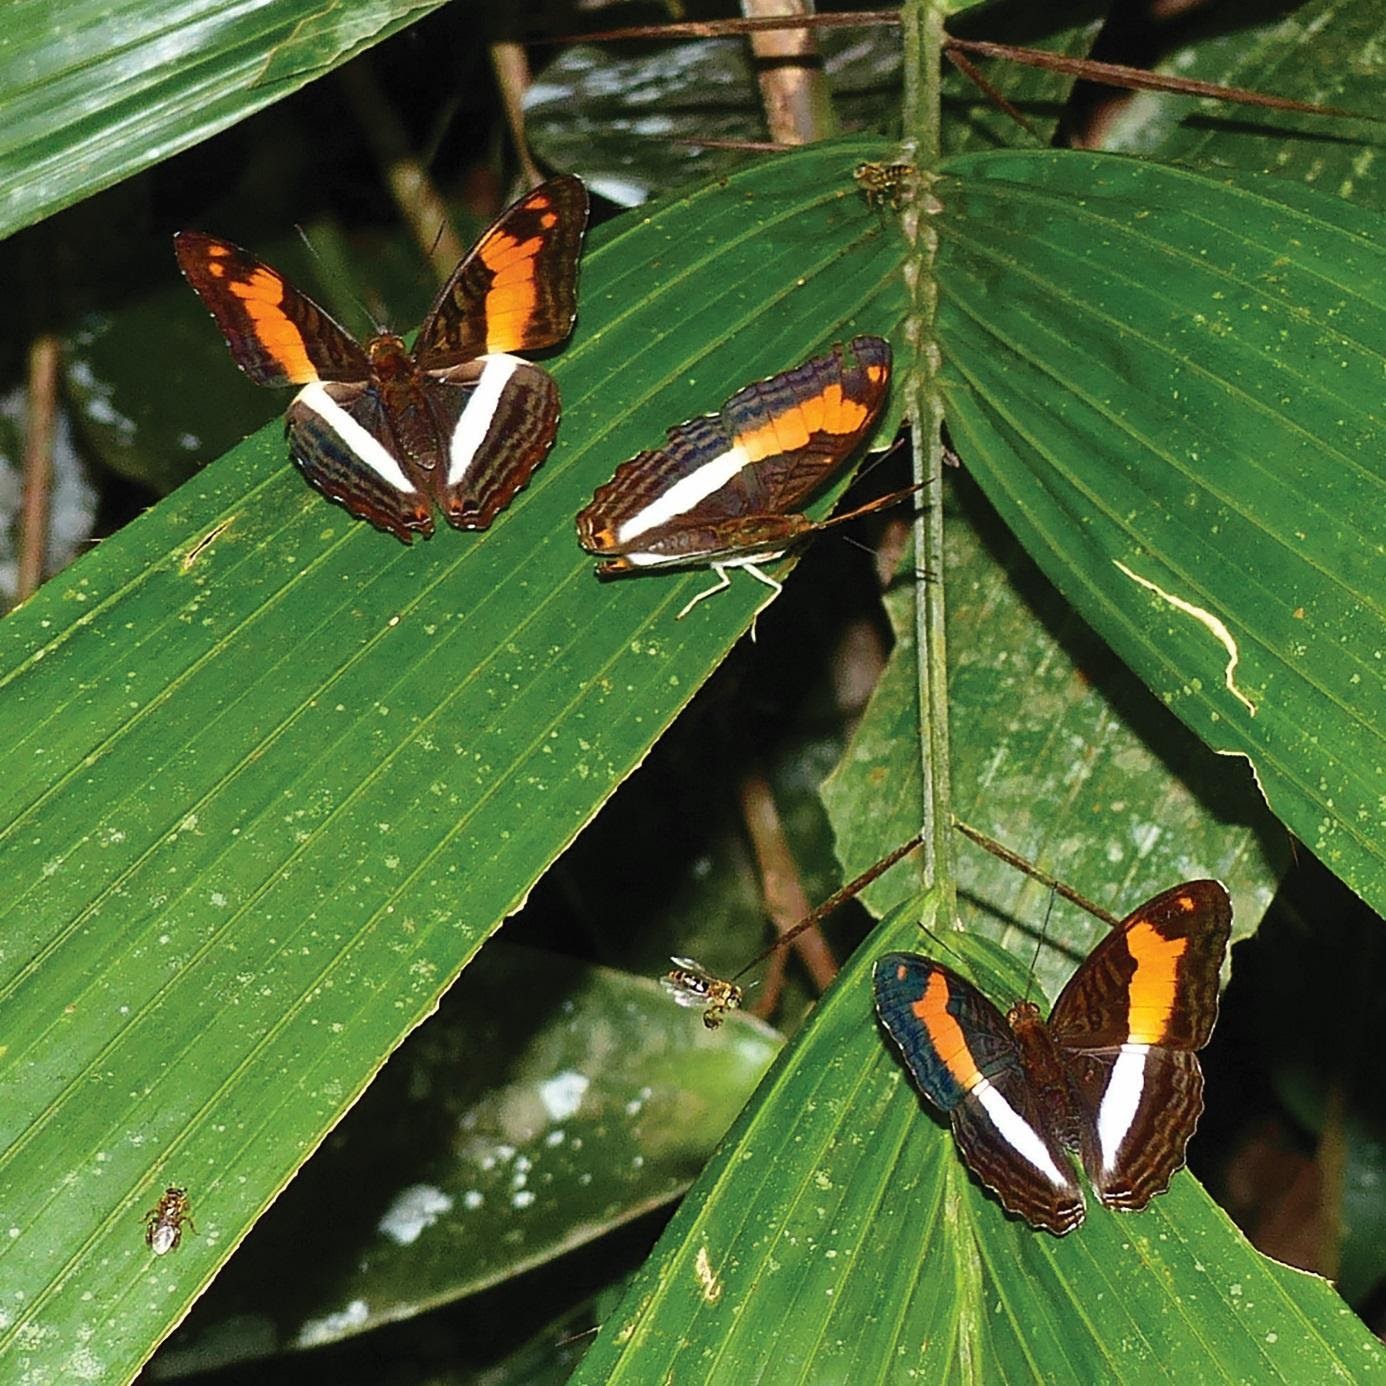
[629, 124]
[1322, 51]
[547, 1103]
[131, 83]
[1166, 384]
[1058, 752]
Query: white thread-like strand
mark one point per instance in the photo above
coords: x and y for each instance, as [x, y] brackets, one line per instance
[477, 417]
[684, 494]
[1121, 1101]
[360, 443]
[1206, 619]
[1018, 1133]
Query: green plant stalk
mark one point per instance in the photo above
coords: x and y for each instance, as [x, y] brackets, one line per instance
[923, 42]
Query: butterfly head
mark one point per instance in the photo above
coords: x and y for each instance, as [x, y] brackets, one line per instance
[390, 359]
[1023, 1014]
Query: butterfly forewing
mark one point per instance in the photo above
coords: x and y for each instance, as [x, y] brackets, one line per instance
[793, 428]
[1129, 1021]
[516, 289]
[1154, 978]
[963, 1056]
[277, 335]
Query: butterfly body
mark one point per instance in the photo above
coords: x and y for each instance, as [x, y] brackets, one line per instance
[726, 489]
[1111, 1077]
[458, 421]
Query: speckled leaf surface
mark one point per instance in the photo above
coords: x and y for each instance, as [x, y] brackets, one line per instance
[547, 1103]
[1058, 752]
[275, 777]
[1329, 52]
[1169, 387]
[837, 1236]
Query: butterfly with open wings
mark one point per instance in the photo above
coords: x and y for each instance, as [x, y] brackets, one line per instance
[1112, 1076]
[458, 422]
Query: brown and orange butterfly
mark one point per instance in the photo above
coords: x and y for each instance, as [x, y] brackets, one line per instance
[726, 490]
[1112, 1076]
[458, 421]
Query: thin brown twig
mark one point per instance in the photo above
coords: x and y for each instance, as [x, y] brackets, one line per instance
[1030, 869]
[1139, 79]
[416, 196]
[40, 427]
[749, 146]
[1106, 74]
[724, 28]
[819, 913]
[785, 901]
[510, 63]
[975, 76]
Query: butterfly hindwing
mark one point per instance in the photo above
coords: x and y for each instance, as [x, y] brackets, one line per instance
[646, 498]
[277, 335]
[516, 290]
[498, 417]
[963, 1056]
[341, 439]
[1140, 1121]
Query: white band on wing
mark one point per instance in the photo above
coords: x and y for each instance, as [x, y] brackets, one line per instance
[684, 494]
[479, 413]
[357, 440]
[1018, 1133]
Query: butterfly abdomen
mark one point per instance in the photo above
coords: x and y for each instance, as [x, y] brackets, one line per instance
[1044, 1067]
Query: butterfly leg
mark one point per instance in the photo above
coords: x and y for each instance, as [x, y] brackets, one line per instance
[760, 576]
[770, 582]
[723, 582]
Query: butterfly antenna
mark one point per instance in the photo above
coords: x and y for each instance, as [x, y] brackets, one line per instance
[577, 1337]
[838, 897]
[896, 444]
[1039, 943]
[880, 503]
[338, 280]
[942, 943]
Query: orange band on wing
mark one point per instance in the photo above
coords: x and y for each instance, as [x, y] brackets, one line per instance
[1154, 982]
[825, 412]
[261, 293]
[513, 293]
[841, 414]
[945, 1034]
[784, 433]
